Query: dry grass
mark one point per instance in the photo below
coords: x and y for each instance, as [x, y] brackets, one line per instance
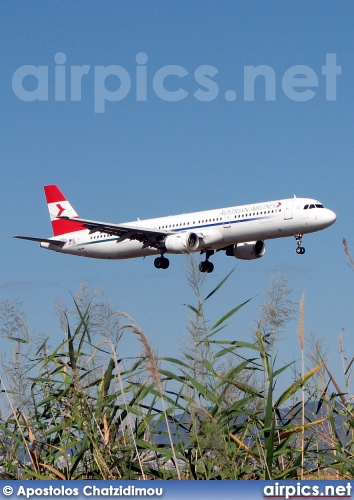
[207, 414]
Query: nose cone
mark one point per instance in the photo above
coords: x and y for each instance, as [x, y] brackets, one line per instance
[331, 217]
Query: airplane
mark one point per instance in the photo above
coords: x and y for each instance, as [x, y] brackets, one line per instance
[240, 231]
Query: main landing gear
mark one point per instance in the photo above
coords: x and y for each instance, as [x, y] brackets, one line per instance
[161, 262]
[300, 250]
[205, 266]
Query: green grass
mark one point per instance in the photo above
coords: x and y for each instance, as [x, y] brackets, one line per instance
[80, 411]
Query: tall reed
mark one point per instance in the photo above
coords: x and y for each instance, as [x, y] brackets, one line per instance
[210, 413]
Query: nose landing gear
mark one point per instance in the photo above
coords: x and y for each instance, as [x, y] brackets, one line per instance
[299, 250]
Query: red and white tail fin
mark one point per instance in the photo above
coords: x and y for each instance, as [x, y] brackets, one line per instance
[58, 205]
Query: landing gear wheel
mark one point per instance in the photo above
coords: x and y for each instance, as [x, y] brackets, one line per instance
[203, 266]
[210, 267]
[161, 263]
[206, 267]
[300, 250]
[165, 263]
[158, 263]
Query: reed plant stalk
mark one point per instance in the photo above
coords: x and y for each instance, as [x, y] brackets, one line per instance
[214, 412]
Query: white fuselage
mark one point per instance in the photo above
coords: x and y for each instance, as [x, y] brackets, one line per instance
[216, 229]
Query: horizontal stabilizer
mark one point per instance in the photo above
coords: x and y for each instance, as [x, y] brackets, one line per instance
[58, 243]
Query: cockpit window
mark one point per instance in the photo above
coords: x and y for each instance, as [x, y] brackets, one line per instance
[312, 206]
[319, 205]
[306, 207]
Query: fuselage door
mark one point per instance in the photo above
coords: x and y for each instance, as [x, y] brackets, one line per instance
[226, 222]
[80, 240]
[288, 213]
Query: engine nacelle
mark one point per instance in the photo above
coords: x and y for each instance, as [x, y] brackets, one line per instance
[247, 251]
[181, 243]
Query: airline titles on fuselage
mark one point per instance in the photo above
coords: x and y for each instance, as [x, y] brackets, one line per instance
[251, 208]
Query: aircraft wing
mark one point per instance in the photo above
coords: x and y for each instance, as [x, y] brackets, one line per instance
[148, 236]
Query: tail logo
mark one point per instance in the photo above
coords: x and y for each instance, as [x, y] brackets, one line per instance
[61, 209]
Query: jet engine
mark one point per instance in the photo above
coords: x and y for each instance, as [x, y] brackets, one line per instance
[247, 251]
[181, 243]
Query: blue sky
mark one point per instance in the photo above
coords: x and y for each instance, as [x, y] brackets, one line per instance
[153, 157]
